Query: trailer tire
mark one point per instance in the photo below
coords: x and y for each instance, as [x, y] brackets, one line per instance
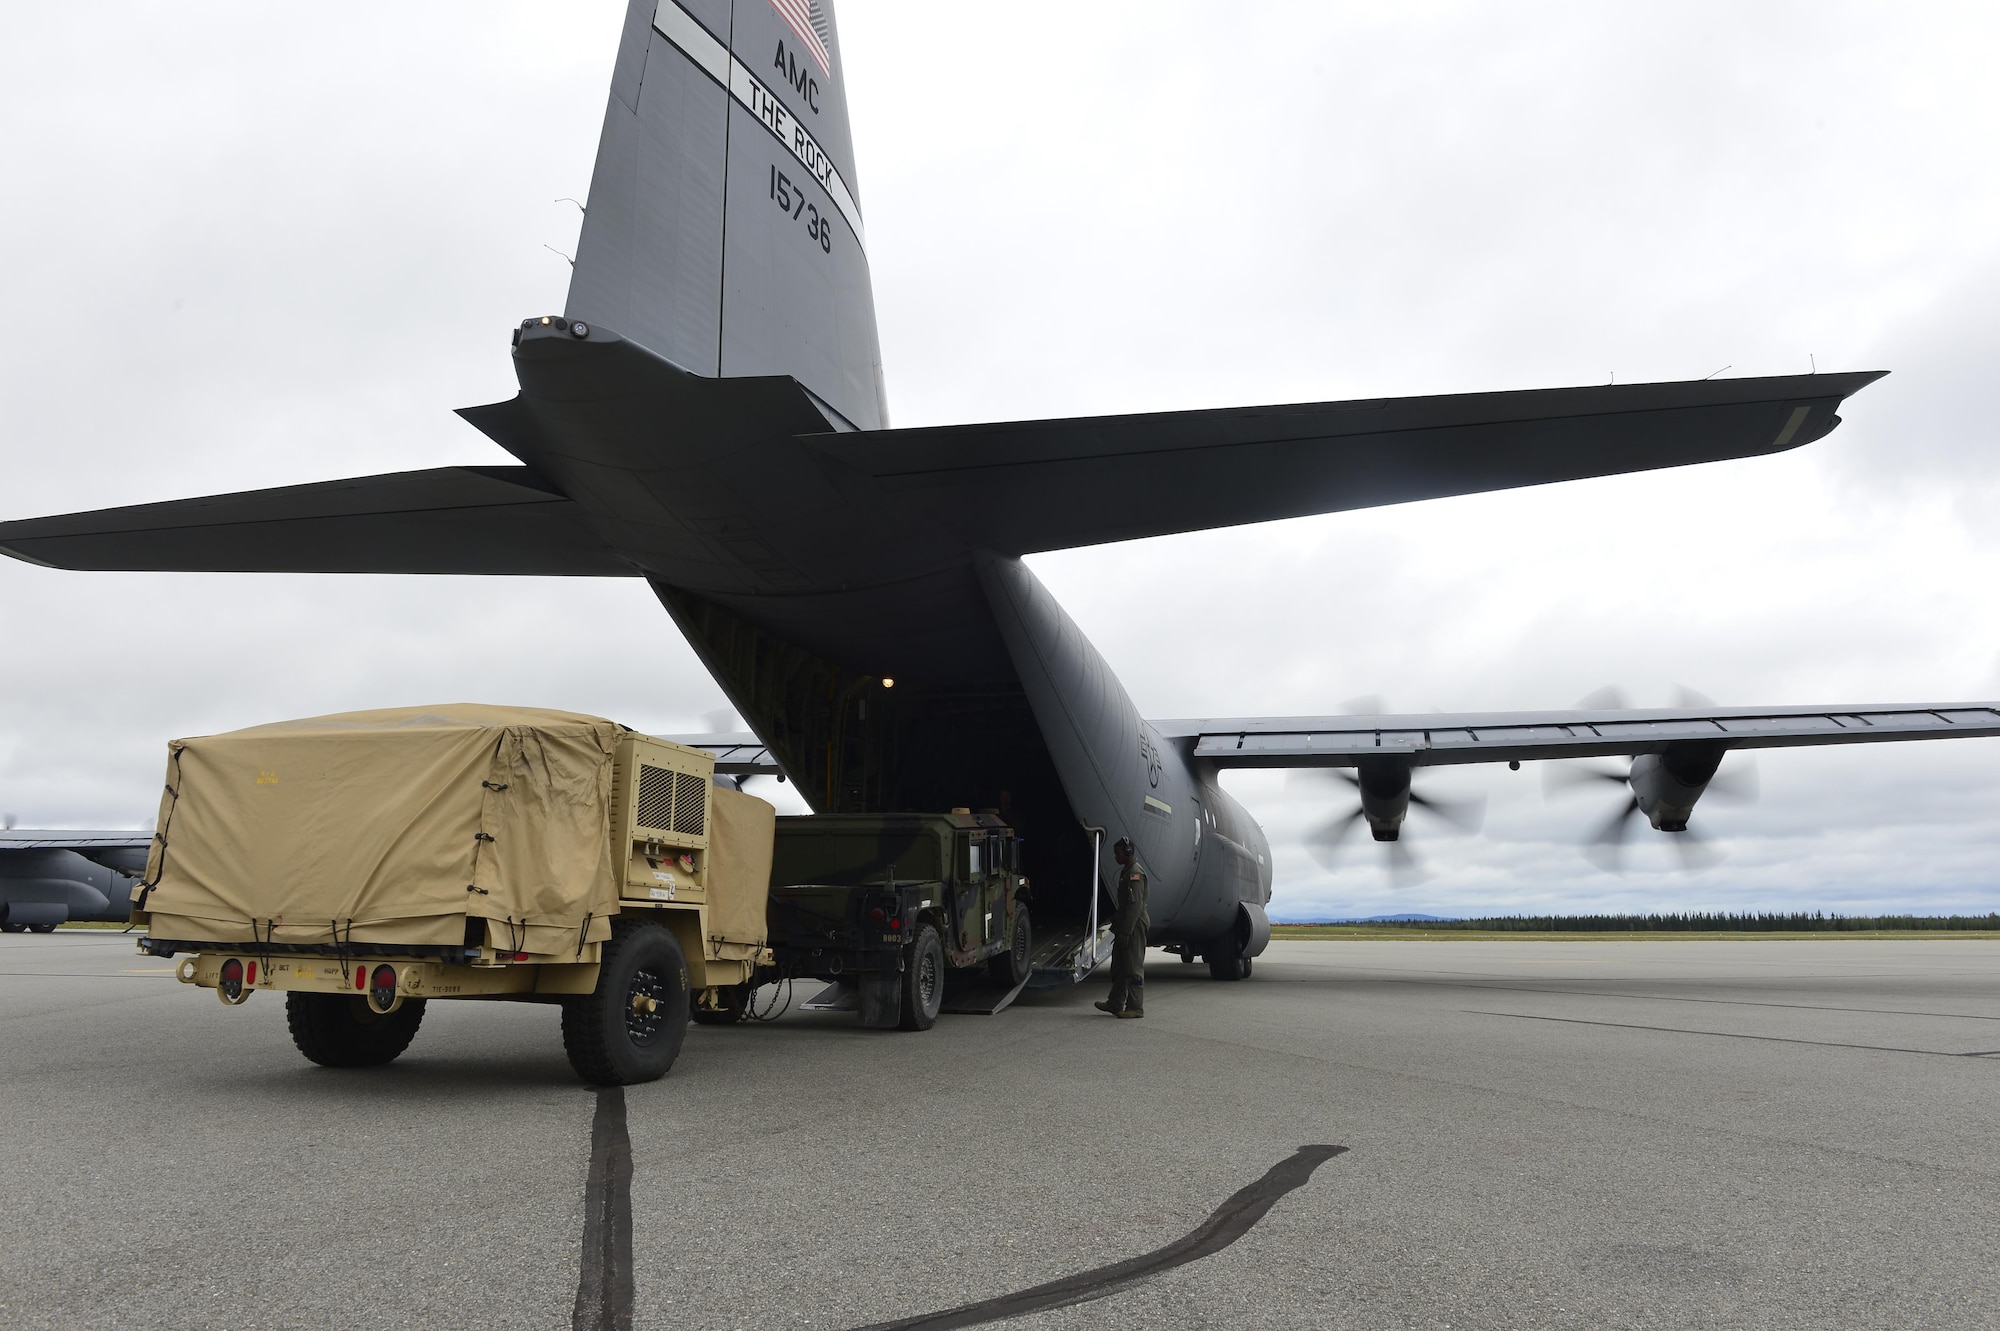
[923, 981]
[630, 1028]
[1012, 966]
[338, 1031]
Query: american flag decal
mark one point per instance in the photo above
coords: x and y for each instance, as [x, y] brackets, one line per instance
[807, 18]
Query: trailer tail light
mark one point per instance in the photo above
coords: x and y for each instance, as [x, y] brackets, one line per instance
[250, 976]
[361, 977]
[230, 982]
[878, 913]
[896, 925]
[382, 988]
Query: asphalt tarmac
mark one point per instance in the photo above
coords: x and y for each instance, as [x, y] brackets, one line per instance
[1673, 1134]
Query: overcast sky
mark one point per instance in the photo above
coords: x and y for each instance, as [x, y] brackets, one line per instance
[250, 245]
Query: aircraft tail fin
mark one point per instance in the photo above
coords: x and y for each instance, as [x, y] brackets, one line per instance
[723, 232]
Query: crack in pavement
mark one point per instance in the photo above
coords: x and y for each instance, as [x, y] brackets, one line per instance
[1229, 1222]
[1731, 1035]
[604, 1276]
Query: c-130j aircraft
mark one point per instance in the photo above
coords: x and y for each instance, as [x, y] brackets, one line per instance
[708, 414]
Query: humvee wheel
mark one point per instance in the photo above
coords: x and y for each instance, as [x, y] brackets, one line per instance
[1012, 966]
[923, 981]
[629, 1029]
[336, 1031]
[733, 999]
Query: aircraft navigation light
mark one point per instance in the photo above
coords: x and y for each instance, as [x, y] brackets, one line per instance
[579, 329]
[888, 683]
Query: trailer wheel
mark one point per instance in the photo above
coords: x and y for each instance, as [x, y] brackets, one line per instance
[1011, 967]
[629, 1029]
[733, 998]
[336, 1031]
[923, 981]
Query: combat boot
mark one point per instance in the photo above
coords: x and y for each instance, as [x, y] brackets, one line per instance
[1133, 1012]
[1104, 1005]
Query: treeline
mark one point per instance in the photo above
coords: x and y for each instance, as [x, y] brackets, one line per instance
[1705, 922]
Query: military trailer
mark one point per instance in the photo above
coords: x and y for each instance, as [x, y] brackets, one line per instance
[370, 863]
[898, 905]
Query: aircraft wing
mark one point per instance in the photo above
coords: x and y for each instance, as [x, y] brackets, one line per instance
[26, 838]
[1028, 486]
[736, 754]
[124, 852]
[499, 520]
[1498, 737]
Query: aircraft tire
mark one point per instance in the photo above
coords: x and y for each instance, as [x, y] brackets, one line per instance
[41, 928]
[13, 928]
[1226, 960]
[923, 981]
[734, 998]
[336, 1031]
[630, 1028]
[1012, 966]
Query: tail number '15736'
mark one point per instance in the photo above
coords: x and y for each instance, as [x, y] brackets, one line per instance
[792, 199]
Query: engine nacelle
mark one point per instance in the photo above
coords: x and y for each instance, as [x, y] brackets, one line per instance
[1385, 795]
[1668, 783]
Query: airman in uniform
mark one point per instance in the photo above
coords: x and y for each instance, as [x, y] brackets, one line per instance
[1128, 929]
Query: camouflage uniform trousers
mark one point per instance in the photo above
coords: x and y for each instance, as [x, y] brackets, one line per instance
[1128, 953]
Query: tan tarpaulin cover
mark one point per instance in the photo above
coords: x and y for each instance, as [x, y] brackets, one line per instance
[741, 829]
[390, 827]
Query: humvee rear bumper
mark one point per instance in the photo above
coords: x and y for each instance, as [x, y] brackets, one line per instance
[415, 978]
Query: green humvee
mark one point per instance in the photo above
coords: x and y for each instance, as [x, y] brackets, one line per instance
[891, 902]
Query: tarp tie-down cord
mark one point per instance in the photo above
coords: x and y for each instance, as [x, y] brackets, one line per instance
[517, 944]
[340, 948]
[147, 885]
[584, 932]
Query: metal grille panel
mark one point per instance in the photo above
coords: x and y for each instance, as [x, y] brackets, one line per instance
[690, 804]
[656, 798]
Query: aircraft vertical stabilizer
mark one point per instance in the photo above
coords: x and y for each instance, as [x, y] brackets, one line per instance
[723, 230]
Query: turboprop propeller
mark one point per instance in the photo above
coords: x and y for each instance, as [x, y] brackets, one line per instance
[1663, 786]
[1386, 800]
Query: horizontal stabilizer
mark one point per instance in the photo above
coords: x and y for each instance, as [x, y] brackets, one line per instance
[492, 520]
[1023, 487]
[1499, 737]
